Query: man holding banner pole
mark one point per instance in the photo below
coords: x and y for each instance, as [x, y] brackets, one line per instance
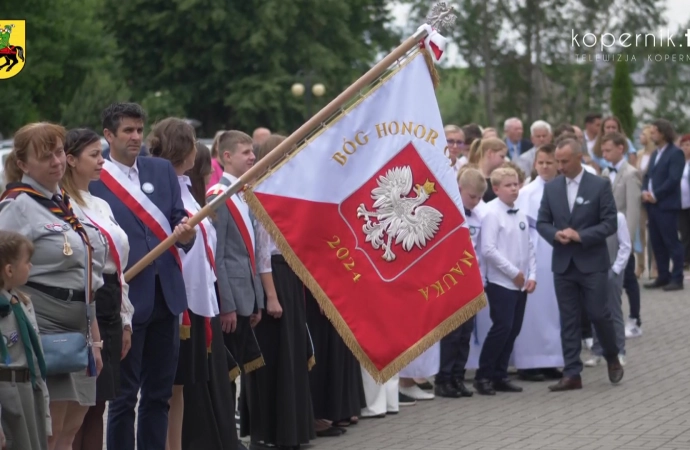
[145, 197]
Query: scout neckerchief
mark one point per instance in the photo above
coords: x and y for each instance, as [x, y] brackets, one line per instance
[59, 205]
[29, 338]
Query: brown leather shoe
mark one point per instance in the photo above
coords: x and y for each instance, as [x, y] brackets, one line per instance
[567, 384]
[615, 371]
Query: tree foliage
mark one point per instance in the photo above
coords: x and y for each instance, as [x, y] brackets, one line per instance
[622, 93]
[231, 64]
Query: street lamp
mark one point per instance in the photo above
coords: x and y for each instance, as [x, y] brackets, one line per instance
[307, 89]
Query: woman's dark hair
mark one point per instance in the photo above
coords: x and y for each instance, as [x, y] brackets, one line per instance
[172, 139]
[197, 174]
[472, 132]
[76, 141]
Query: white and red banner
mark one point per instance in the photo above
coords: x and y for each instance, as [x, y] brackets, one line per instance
[368, 214]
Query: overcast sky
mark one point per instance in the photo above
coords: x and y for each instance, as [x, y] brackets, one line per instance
[677, 14]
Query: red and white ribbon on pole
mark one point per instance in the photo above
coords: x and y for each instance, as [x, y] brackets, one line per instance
[434, 42]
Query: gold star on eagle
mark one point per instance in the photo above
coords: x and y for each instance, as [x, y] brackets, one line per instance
[428, 186]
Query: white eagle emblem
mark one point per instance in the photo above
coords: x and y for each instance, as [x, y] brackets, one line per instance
[398, 216]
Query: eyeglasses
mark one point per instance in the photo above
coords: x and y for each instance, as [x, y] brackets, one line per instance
[453, 142]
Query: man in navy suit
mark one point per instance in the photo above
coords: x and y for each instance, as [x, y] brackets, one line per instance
[576, 215]
[158, 291]
[661, 195]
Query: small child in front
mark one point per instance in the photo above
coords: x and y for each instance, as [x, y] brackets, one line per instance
[25, 416]
[509, 257]
[455, 347]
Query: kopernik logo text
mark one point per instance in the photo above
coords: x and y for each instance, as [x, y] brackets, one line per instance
[627, 40]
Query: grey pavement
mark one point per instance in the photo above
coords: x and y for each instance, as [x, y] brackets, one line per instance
[649, 410]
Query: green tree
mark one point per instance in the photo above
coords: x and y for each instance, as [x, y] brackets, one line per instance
[99, 89]
[622, 94]
[231, 64]
[65, 42]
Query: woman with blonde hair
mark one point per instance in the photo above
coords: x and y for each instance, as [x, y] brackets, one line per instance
[612, 124]
[67, 270]
[489, 154]
[216, 166]
[644, 155]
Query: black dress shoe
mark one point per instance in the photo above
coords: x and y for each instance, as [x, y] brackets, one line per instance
[484, 387]
[656, 284]
[330, 432]
[506, 386]
[464, 391]
[446, 390]
[673, 287]
[552, 374]
[615, 371]
[531, 375]
[567, 384]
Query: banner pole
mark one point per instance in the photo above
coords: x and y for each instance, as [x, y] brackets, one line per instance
[284, 147]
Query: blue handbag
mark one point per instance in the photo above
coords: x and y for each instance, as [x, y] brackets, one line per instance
[65, 353]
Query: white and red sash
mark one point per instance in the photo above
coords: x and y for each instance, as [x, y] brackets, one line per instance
[138, 203]
[209, 252]
[239, 220]
[112, 246]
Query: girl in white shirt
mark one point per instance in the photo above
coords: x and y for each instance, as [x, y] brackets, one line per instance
[114, 311]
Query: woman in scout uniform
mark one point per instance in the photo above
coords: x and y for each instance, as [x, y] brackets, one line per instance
[173, 139]
[23, 392]
[114, 310]
[67, 269]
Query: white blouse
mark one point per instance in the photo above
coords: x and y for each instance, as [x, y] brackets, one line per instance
[100, 214]
[198, 273]
[264, 240]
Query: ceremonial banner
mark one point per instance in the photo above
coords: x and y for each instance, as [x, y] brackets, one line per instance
[368, 214]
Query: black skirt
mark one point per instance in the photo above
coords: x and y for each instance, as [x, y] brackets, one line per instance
[192, 364]
[108, 306]
[276, 408]
[209, 408]
[337, 390]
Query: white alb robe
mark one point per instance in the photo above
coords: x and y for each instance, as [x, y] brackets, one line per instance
[539, 342]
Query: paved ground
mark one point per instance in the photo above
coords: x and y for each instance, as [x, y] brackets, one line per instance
[649, 410]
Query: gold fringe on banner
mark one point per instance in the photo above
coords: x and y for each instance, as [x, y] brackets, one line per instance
[435, 78]
[185, 332]
[461, 316]
[311, 363]
[234, 373]
[253, 365]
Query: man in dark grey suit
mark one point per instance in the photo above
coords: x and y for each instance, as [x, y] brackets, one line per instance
[576, 215]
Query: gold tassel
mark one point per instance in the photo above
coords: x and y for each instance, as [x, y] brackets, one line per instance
[381, 376]
[311, 363]
[185, 332]
[234, 373]
[435, 79]
[253, 365]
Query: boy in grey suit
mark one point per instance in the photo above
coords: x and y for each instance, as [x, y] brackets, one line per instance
[627, 192]
[239, 258]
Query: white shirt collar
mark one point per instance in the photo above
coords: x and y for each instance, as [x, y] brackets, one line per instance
[619, 164]
[124, 168]
[577, 178]
[503, 206]
[184, 179]
[230, 177]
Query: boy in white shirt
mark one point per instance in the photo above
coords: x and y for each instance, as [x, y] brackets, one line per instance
[619, 252]
[455, 347]
[510, 266]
